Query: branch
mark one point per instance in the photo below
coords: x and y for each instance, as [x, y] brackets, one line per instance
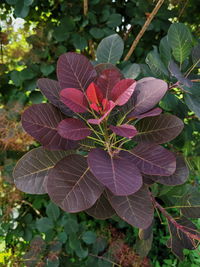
[85, 7]
[144, 28]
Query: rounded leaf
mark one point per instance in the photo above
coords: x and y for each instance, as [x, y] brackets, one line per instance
[31, 171]
[118, 174]
[72, 186]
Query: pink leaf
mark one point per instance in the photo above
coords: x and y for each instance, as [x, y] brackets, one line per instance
[98, 121]
[73, 129]
[151, 113]
[74, 99]
[122, 91]
[94, 94]
[124, 130]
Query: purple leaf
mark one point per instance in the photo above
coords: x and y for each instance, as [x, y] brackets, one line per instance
[41, 121]
[75, 71]
[124, 130]
[152, 159]
[73, 129]
[136, 209]
[51, 89]
[150, 113]
[122, 91]
[98, 121]
[74, 99]
[105, 66]
[191, 204]
[179, 177]
[159, 129]
[118, 174]
[175, 71]
[107, 80]
[148, 92]
[31, 172]
[101, 209]
[72, 186]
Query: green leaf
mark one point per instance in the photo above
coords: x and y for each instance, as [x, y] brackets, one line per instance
[52, 211]
[75, 244]
[97, 33]
[165, 51]
[193, 103]
[28, 2]
[110, 49]
[44, 224]
[89, 237]
[62, 237]
[16, 77]
[53, 263]
[36, 97]
[180, 40]
[79, 41]
[114, 20]
[71, 226]
[46, 69]
[21, 9]
[131, 71]
[156, 65]
[11, 2]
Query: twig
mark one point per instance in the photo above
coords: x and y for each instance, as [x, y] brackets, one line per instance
[183, 9]
[30, 205]
[144, 28]
[85, 7]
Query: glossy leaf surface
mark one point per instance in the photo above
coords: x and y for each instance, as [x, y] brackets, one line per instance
[31, 172]
[41, 121]
[118, 174]
[72, 186]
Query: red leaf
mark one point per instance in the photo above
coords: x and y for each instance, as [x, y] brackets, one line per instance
[74, 99]
[122, 91]
[94, 94]
[73, 129]
[124, 130]
[98, 121]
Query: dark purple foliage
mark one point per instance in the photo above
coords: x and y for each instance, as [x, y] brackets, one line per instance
[99, 112]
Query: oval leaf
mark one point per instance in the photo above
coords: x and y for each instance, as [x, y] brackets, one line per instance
[41, 121]
[124, 130]
[74, 99]
[122, 91]
[101, 209]
[159, 129]
[118, 174]
[51, 89]
[73, 129]
[152, 159]
[136, 209]
[110, 49]
[32, 169]
[148, 92]
[75, 71]
[150, 113]
[179, 177]
[72, 186]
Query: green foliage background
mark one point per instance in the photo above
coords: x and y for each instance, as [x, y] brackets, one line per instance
[51, 28]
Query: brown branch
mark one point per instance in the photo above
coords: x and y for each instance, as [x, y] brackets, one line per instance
[144, 28]
[85, 7]
[182, 9]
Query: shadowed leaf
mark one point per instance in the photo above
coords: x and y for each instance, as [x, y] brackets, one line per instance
[110, 49]
[74, 99]
[136, 209]
[124, 130]
[51, 89]
[175, 71]
[191, 201]
[151, 113]
[72, 186]
[179, 177]
[159, 129]
[118, 174]
[152, 159]
[41, 121]
[75, 71]
[73, 129]
[193, 103]
[32, 169]
[101, 209]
